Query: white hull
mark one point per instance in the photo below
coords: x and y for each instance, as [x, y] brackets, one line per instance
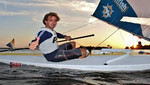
[91, 63]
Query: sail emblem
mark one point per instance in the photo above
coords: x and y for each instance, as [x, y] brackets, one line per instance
[107, 11]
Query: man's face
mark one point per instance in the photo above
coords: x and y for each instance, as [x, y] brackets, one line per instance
[51, 22]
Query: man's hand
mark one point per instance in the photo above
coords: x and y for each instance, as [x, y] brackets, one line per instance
[68, 38]
[34, 44]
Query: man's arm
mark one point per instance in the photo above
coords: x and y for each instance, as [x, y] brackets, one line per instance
[42, 35]
[33, 45]
[59, 35]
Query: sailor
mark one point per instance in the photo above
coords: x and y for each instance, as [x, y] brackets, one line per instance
[46, 40]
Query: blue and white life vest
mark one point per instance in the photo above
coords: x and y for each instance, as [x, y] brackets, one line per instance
[48, 40]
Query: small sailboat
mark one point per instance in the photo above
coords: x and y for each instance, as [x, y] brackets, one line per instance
[111, 12]
[11, 44]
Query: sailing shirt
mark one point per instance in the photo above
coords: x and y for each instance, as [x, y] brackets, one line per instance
[48, 41]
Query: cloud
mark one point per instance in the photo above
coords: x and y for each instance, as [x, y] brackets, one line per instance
[74, 5]
[9, 13]
[37, 17]
[71, 8]
[34, 15]
[68, 20]
[42, 3]
[82, 6]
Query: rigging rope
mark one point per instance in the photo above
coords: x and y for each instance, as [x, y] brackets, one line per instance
[123, 38]
[102, 41]
[80, 27]
[133, 39]
[88, 24]
[106, 39]
[5, 5]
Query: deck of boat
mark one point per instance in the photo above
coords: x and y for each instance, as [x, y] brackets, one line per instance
[91, 63]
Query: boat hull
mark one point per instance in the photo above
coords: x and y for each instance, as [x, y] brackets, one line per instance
[88, 64]
[91, 63]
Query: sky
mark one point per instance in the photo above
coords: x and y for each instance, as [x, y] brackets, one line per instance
[20, 19]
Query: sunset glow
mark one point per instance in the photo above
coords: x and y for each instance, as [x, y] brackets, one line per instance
[20, 19]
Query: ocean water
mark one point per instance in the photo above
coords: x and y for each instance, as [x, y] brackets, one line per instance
[31, 75]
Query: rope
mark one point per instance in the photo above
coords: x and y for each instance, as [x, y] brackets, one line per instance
[102, 41]
[78, 43]
[106, 39]
[64, 55]
[123, 38]
[133, 39]
[80, 27]
[5, 5]
[143, 42]
[86, 25]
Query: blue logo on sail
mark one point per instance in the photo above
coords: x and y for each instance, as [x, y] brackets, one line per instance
[107, 12]
[123, 6]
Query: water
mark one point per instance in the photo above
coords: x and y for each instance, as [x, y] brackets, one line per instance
[31, 75]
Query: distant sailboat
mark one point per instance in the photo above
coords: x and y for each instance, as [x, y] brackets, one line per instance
[11, 44]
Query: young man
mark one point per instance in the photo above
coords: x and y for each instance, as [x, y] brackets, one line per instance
[46, 40]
